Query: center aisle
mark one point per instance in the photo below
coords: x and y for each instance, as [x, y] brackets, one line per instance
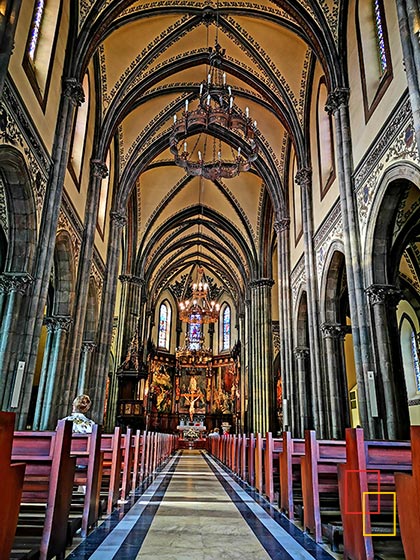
[195, 510]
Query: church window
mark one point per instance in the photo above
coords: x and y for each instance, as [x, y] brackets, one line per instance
[164, 325]
[35, 28]
[40, 47]
[380, 36]
[226, 328]
[326, 161]
[415, 355]
[374, 53]
[194, 331]
[78, 141]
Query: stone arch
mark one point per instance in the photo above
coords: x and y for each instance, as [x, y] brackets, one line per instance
[21, 211]
[388, 236]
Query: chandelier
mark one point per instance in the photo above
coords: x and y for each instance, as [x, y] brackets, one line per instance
[199, 308]
[216, 114]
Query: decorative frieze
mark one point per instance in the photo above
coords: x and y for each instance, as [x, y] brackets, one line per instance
[261, 283]
[57, 323]
[276, 336]
[298, 279]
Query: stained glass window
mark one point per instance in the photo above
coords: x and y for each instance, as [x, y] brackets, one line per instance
[164, 326]
[380, 36]
[415, 359]
[194, 333]
[226, 328]
[35, 28]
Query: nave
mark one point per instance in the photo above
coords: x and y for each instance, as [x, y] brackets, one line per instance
[196, 509]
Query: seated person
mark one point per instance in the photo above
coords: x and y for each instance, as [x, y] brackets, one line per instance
[81, 424]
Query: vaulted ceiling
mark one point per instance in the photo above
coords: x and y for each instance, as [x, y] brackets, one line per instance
[151, 56]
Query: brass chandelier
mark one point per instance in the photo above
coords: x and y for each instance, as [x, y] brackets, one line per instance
[199, 308]
[216, 114]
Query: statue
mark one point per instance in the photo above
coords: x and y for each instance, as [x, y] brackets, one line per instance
[191, 402]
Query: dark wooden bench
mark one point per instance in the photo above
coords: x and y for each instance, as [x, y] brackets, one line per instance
[47, 491]
[366, 462]
[319, 472]
[111, 468]
[11, 484]
[408, 500]
[290, 476]
[85, 507]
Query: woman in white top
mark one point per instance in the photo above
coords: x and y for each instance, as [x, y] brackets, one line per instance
[81, 424]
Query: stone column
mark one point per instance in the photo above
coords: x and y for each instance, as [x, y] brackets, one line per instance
[9, 13]
[50, 324]
[302, 357]
[282, 229]
[304, 180]
[331, 333]
[13, 286]
[98, 172]
[337, 104]
[242, 387]
[383, 301]
[117, 222]
[261, 356]
[129, 311]
[72, 96]
[408, 19]
[61, 324]
[88, 348]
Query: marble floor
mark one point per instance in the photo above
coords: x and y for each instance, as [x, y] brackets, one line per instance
[194, 509]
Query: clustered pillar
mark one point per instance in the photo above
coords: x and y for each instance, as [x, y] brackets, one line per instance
[260, 356]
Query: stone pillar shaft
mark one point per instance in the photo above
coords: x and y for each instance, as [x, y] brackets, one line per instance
[302, 356]
[261, 356]
[338, 105]
[72, 96]
[408, 18]
[331, 333]
[117, 222]
[304, 179]
[8, 20]
[98, 172]
[88, 348]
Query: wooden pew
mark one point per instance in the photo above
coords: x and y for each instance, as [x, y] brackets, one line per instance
[11, 484]
[290, 475]
[111, 468]
[387, 457]
[408, 500]
[127, 450]
[251, 460]
[47, 490]
[89, 458]
[273, 448]
[259, 464]
[320, 482]
[138, 450]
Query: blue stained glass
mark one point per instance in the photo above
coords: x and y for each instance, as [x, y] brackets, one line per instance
[380, 37]
[164, 320]
[415, 359]
[194, 333]
[226, 328]
[35, 28]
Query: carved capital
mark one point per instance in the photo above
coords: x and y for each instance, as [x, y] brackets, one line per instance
[131, 279]
[336, 99]
[88, 347]
[18, 282]
[261, 283]
[73, 90]
[119, 219]
[331, 330]
[283, 224]
[58, 323]
[98, 168]
[301, 352]
[303, 178]
[385, 294]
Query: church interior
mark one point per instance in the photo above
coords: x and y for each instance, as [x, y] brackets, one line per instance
[210, 225]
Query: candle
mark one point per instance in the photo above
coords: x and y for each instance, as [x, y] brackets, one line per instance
[247, 112]
[224, 78]
[201, 89]
[219, 155]
[209, 79]
[229, 90]
[208, 99]
[174, 119]
[230, 102]
[199, 155]
[185, 146]
[255, 124]
[239, 152]
[186, 105]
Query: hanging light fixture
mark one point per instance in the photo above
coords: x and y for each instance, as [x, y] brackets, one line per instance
[199, 308]
[216, 114]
